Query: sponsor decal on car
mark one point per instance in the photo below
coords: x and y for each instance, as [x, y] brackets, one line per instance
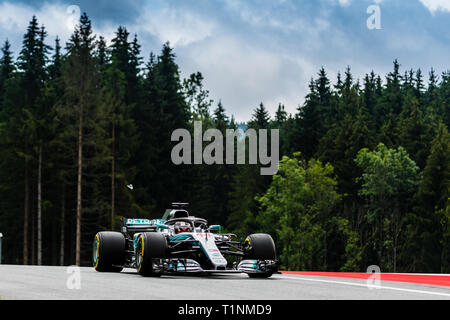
[138, 221]
[145, 222]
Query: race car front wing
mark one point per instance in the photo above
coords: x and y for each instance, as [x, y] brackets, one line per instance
[245, 266]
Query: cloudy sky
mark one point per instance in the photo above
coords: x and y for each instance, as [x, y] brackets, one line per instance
[253, 51]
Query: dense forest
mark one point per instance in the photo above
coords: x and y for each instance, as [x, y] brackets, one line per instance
[85, 134]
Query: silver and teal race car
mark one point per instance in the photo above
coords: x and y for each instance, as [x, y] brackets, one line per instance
[181, 243]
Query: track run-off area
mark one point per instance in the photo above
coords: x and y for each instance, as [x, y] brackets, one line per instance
[68, 283]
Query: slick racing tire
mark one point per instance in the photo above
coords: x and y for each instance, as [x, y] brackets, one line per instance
[108, 252]
[260, 247]
[151, 247]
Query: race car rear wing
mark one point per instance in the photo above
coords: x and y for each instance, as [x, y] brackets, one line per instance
[142, 225]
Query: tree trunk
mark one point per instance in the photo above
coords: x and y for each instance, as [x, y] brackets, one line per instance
[26, 215]
[54, 241]
[33, 238]
[63, 209]
[395, 258]
[396, 234]
[39, 209]
[71, 229]
[113, 176]
[325, 267]
[33, 226]
[80, 174]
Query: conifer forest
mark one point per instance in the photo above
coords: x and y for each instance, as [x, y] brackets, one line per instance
[85, 138]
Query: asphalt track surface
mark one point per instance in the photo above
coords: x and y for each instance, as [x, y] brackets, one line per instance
[50, 283]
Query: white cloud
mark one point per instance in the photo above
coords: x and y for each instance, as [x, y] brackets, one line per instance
[344, 3]
[242, 74]
[239, 71]
[59, 20]
[15, 18]
[436, 5]
[261, 53]
[179, 27]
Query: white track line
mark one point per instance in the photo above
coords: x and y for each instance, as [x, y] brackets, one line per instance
[366, 286]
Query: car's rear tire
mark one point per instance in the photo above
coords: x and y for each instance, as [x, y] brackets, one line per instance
[151, 247]
[109, 252]
[260, 247]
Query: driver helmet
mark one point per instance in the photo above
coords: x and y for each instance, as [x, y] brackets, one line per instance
[182, 227]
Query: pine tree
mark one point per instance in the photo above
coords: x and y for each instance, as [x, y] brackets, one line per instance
[221, 176]
[120, 48]
[408, 82]
[419, 86]
[164, 110]
[432, 100]
[444, 105]
[369, 93]
[134, 79]
[123, 139]
[341, 144]
[102, 55]
[339, 85]
[281, 116]
[126, 55]
[57, 181]
[393, 86]
[434, 194]
[6, 67]
[315, 117]
[41, 113]
[415, 130]
[391, 103]
[221, 120]
[260, 118]
[25, 112]
[247, 184]
[13, 174]
[86, 120]
[197, 97]
[432, 85]
[54, 70]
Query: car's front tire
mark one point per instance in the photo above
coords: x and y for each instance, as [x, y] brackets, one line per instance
[151, 247]
[108, 252]
[260, 247]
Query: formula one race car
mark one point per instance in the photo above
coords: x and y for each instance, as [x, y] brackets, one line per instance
[180, 243]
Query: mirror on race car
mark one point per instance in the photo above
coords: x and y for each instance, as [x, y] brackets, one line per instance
[162, 226]
[215, 228]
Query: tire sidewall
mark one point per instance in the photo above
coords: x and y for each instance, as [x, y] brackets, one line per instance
[150, 246]
[262, 246]
[109, 251]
